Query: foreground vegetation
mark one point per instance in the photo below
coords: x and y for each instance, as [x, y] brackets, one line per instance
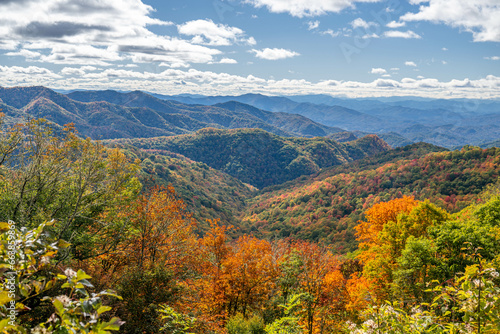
[95, 254]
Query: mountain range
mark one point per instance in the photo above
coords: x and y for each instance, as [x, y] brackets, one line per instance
[109, 114]
[399, 121]
[448, 123]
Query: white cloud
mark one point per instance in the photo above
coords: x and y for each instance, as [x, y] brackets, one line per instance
[301, 8]
[228, 61]
[395, 25]
[492, 58]
[312, 25]
[80, 54]
[92, 32]
[360, 23]
[78, 71]
[8, 44]
[209, 33]
[274, 54]
[72, 71]
[175, 65]
[27, 70]
[29, 55]
[444, 62]
[401, 34]
[374, 35]
[395, 69]
[331, 33]
[444, 49]
[378, 70]
[91, 68]
[479, 17]
[177, 81]
[386, 83]
[251, 41]
[410, 63]
[386, 75]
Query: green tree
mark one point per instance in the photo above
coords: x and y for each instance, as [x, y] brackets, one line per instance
[46, 175]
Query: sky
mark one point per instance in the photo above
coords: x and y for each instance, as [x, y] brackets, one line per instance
[345, 48]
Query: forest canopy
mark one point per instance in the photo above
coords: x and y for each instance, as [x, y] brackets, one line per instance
[85, 248]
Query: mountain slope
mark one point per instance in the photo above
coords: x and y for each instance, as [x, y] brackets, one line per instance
[327, 206]
[207, 192]
[261, 158]
[448, 123]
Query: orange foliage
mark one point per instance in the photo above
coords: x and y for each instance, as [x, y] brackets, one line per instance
[236, 277]
[154, 230]
[322, 283]
[358, 289]
[375, 253]
[376, 217]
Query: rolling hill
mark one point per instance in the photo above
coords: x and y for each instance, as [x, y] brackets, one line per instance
[207, 192]
[260, 158]
[325, 207]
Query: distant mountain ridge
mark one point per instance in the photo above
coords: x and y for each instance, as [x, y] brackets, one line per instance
[449, 123]
[110, 114]
[399, 121]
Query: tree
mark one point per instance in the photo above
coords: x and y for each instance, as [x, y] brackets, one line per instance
[321, 284]
[384, 236]
[155, 253]
[61, 177]
[238, 276]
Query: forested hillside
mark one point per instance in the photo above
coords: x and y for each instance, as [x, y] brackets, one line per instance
[260, 158]
[327, 207]
[207, 192]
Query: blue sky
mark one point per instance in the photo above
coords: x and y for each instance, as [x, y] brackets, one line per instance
[433, 48]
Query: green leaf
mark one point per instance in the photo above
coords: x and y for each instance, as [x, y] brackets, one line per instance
[86, 283]
[59, 307]
[112, 325]
[103, 309]
[80, 275]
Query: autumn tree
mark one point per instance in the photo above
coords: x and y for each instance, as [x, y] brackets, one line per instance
[384, 235]
[311, 271]
[250, 273]
[47, 175]
[238, 276]
[154, 253]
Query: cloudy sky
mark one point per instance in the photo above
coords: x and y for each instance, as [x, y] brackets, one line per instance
[354, 48]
